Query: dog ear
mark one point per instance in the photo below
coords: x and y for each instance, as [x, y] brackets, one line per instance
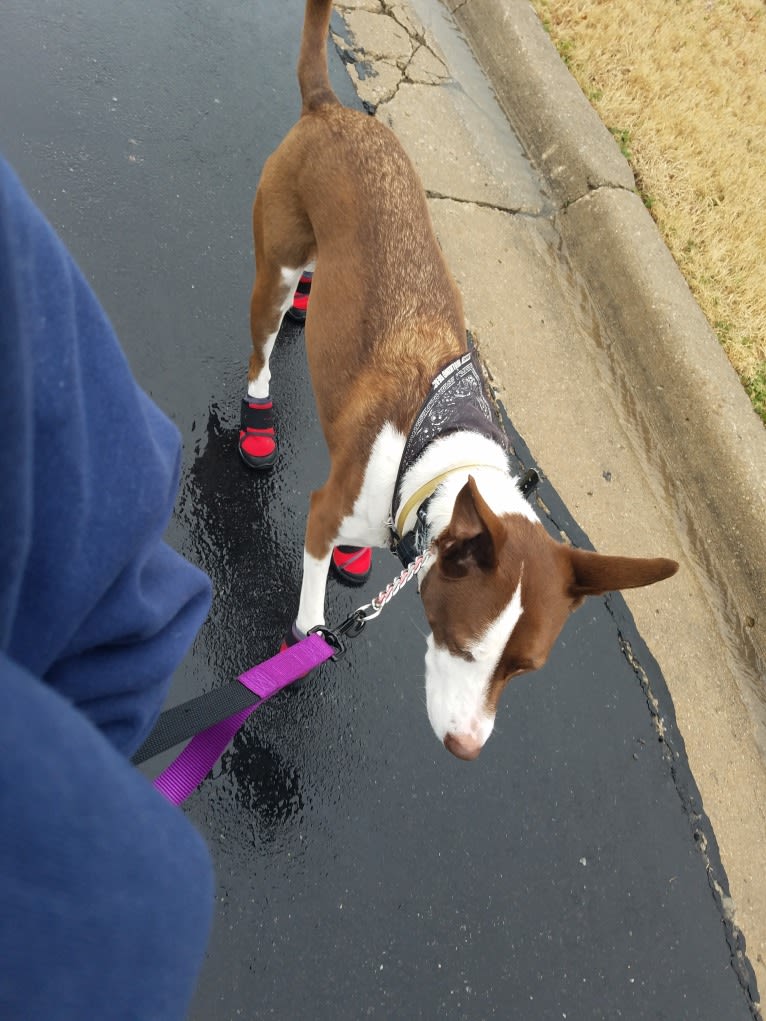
[595, 573]
[473, 537]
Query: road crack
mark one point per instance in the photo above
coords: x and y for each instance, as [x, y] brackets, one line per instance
[519, 211]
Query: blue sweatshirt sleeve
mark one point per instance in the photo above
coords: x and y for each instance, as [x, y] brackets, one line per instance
[105, 890]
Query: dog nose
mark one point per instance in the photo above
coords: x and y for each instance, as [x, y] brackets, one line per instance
[464, 746]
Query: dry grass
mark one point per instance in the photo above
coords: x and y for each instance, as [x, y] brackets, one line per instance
[682, 86]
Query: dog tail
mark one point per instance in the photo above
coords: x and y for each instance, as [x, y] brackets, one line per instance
[313, 77]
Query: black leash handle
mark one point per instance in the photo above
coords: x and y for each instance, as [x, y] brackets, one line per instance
[184, 721]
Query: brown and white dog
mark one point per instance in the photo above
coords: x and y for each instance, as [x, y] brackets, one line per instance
[384, 318]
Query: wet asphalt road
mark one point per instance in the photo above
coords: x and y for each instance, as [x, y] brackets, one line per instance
[362, 871]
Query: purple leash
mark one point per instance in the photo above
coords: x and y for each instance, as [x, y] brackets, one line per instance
[190, 768]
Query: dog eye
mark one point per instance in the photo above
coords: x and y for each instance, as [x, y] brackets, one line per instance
[457, 650]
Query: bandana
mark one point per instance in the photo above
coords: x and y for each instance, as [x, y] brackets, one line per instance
[456, 401]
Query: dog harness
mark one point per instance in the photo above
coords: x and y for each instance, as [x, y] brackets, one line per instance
[457, 401]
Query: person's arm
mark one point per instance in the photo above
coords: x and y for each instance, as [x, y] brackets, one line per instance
[94, 603]
[105, 889]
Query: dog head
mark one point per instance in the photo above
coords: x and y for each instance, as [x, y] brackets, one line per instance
[496, 598]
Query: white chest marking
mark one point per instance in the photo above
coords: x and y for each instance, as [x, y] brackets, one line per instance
[367, 524]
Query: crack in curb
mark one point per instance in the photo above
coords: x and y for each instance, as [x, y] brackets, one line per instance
[361, 60]
[593, 189]
[356, 58]
[509, 210]
[420, 38]
[390, 11]
[351, 52]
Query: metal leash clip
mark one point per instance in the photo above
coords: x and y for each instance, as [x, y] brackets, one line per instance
[354, 625]
[349, 628]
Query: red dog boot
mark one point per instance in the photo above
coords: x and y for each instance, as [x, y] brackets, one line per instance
[352, 564]
[301, 299]
[257, 440]
[293, 636]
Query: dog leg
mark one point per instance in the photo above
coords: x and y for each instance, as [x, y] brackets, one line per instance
[272, 296]
[299, 308]
[313, 586]
[322, 528]
[280, 257]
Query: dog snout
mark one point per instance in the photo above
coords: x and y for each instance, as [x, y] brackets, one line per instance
[464, 746]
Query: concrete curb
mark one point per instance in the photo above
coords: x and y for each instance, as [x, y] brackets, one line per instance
[702, 435]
